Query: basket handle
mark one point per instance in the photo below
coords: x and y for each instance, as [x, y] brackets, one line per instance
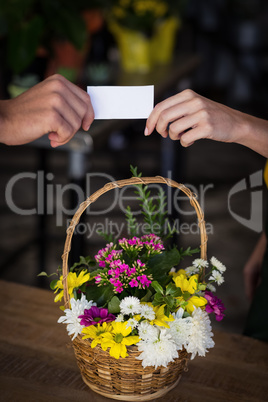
[119, 184]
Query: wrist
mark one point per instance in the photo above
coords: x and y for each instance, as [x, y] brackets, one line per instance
[3, 123]
[242, 128]
[252, 132]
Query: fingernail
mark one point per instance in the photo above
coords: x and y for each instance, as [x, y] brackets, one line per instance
[146, 131]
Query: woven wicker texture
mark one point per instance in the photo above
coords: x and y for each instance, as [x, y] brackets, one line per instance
[125, 378]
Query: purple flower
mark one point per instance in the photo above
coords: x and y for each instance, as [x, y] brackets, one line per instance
[96, 315]
[214, 305]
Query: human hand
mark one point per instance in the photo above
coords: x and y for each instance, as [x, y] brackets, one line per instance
[54, 106]
[253, 266]
[189, 117]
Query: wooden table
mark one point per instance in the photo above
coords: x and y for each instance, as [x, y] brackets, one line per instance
[37, 362]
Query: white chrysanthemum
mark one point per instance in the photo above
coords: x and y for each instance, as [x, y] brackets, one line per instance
[147, 312]
[200, 263]
[201, 334]
[158, 353]
[71, 315]
[130, 305]
[173, 269]
[179, 313]
[211, 287]
[148, 332]
[119, 318]
[180, 330]
[132, 323]
[217, 277]
[217, 264]
[191, 270]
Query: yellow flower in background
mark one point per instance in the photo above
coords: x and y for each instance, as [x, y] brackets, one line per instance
[124, 3]
[96, 332]
[157, 8]
[119, 12]
[117, 339]
[140, 8]
[73, 282]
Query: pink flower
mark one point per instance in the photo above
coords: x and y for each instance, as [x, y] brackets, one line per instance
[140, 264]
[97, 279]
[123, 267]
[144, 280]
[134, 283]
[102, 264]
[131, 271]
[214, 305]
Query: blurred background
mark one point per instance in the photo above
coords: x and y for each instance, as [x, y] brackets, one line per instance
[218, 48]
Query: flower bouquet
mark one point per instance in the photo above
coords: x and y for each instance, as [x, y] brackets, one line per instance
[145, 31]
[134, 317]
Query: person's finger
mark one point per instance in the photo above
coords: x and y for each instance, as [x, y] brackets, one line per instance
[88, 115]
[177, 99]
[177, 119]
[77, 98]
[62, 121]
[191, 136]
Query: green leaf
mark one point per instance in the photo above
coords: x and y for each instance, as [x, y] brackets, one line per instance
[189, 252]
[158, 299]
[167, 311]
[170, 301]
[185, 314]
[84, 262]
[157, 287]
[173, 290]
[100, 294]
[108, 237]
[201, 286]
[134, 171]
[23, 43]
[53, 284]
[43, 273]
[161, 264]
[131, 222]
[183, 304]
[147, 297]
[65, 22]
[114, 305]
[186, 295]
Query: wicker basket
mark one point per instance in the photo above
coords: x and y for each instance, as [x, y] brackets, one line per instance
[124, 378]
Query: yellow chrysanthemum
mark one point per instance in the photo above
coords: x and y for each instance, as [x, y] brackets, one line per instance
[73, 282]
[96, 332]
[117, 339]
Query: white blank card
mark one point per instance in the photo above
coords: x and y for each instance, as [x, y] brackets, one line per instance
[121, 102]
